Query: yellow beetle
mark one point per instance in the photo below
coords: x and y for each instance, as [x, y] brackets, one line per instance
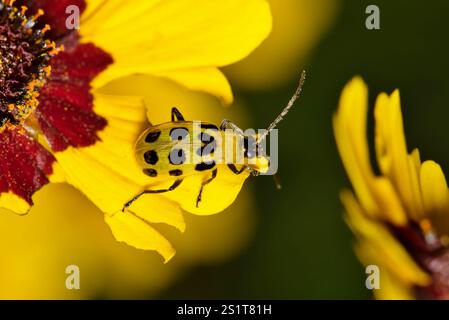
[176, 150]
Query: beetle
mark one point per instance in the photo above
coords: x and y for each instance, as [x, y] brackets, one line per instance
[165, 151]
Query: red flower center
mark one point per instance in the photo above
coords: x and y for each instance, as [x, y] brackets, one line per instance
[25, 57]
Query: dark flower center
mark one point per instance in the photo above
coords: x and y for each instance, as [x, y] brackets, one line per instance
[431, 254]
[25, 56]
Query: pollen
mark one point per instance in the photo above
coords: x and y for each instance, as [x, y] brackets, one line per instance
[25, 56]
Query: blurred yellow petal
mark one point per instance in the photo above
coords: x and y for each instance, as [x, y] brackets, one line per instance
[63, 229]
[391, 151]
[391, 287]
[128, 228]
[417, 213]
[376, 194]
[298, 26]
[227, 233]
[178, 35]
[415, 159]
[390, 207]
[350, 134]
[388, 251]
[434, 188]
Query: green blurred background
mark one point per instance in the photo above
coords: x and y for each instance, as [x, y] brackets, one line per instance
[302, 249]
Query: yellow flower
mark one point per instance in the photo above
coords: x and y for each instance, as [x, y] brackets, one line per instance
[64, 228]
[401, 214]
[73, 130]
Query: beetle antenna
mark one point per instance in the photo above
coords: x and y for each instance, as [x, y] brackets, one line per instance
[284, 112]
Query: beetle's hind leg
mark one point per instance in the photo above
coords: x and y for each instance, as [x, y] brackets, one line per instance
[206, 182]
[171, 188]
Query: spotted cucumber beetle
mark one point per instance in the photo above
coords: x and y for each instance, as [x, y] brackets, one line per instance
[165, 151]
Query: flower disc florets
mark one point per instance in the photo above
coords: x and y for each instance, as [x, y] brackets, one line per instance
[25, 56]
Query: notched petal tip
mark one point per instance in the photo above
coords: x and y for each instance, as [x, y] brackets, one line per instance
[137, 233]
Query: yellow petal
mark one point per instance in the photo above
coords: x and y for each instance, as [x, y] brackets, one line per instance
[58, 174]
[388, 251]
[133, 231]
[389, 205]
[434, 188]
[209, 80]
[391, 151]
[107, 171]
[91, 7]
[350, 134]
[105, 14]
[376, 194]
[216, 196]
[415, 158]
[391, 286]
[10, 201]
[226, 234]
[157, 37]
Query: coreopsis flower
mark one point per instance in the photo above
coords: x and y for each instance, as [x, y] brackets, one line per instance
[57, 126]
[400, 214]
[64, 228]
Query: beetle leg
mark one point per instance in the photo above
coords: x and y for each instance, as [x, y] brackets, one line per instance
[234, 169]
[214, 175]
[176, 115]
[171, 188]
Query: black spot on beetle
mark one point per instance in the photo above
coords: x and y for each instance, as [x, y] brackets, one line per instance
[150, 172]
[205, 166]
[151, 157]
[175, 173]
[179, 133]
[207, 149]
[206, 138]
[152, 136]
[209, 145]
[177, 157]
